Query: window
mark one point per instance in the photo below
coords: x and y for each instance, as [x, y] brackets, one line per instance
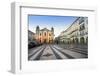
[49, 34]
[40, 40]
[45, 33]
[40, 34]
[82, 27]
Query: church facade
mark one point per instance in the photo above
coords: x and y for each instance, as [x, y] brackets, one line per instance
[44, 35]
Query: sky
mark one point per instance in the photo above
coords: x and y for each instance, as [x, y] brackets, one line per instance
[59, 23]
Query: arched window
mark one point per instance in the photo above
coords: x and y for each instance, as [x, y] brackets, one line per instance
[49, 34]
[76, 40]
[82, 40]
[40, 34]
[45, 33]
[73, 41]
[40, 40]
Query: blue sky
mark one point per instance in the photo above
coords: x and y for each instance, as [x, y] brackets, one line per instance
[60, 23]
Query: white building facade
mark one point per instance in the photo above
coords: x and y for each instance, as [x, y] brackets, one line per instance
[77, 33]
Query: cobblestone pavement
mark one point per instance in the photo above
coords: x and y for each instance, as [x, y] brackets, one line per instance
[53, 52]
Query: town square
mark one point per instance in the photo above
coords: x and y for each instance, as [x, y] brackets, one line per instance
[57, 37]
